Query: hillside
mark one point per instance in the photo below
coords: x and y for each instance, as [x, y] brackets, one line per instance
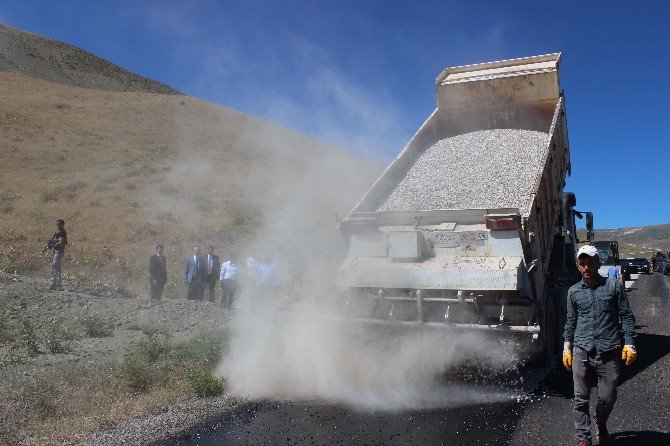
[129, 169]
[55, 61]
[638, 241]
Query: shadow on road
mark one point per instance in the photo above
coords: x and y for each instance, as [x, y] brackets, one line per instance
[650, 348]
[633, 438]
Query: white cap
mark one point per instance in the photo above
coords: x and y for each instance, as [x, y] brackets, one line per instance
[588, 250]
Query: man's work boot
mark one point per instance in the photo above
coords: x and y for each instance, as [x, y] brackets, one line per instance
[602, 435]
[584, 443]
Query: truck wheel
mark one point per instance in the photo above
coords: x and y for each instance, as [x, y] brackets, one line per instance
[547, 319]
[549, 339]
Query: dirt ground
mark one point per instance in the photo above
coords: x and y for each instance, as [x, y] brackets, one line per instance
[89, 371]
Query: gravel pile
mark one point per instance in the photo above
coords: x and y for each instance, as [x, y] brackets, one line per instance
[483, 169]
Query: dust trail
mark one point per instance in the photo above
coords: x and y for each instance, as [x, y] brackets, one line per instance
[292, 350]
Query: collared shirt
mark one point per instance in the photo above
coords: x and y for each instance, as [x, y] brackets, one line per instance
[613, 272]
[599, 317]
[229, 271]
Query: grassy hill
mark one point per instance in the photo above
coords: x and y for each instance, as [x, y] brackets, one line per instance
[129, 169]
[638, 241]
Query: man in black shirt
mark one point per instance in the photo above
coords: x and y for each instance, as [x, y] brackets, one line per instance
[157, 273]
[57, 243]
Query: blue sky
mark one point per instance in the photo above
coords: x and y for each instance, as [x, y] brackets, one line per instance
[360, 74]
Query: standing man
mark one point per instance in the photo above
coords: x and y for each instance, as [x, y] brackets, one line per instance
[268, 276]
[594, 342]
[213, 269]
[195, 274]
[613, 273]
[57, 243]
[229, 277]
[157, 273]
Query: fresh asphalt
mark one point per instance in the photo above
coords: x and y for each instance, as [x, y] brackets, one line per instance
[641, 415]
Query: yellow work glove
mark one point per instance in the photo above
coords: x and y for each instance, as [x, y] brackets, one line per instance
[628, 354]
[567, 356]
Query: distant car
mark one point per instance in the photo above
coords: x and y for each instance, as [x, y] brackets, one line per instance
[662, 264]
[638, 266]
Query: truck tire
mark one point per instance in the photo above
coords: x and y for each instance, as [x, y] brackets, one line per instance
[549, 339]
[548, 324]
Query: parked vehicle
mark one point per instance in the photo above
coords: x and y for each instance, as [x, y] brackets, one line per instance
[663, 264]
[660, 261]
[501, 268]
[638, 265]
[608, 251]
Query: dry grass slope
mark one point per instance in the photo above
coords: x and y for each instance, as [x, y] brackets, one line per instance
[127, 170]
[49, 59]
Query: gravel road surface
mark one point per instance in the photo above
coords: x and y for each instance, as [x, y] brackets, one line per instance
[543, 417]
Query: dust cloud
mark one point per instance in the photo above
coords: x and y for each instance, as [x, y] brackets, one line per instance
[296, 351]
[289, 343]
[286, 342]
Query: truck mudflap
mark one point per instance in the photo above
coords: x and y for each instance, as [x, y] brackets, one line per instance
[458, 272]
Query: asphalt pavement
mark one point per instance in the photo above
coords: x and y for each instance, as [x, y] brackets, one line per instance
[543, 417]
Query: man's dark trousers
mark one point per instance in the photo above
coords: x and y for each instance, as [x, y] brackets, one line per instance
[229, 289]
[196, 289]
[212, 278]
[589, 369]
[157, 290]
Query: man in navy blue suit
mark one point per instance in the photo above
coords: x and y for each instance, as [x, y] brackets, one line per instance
[195, 275]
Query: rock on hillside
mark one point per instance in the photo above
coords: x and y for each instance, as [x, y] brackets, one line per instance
[55, 61]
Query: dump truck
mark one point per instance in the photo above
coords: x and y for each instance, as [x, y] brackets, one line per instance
[469, 226]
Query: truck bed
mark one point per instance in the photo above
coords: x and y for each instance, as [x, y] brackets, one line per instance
[476, 170]
[446, 165]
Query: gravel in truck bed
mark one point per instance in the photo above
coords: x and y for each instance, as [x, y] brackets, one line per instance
[483, 169]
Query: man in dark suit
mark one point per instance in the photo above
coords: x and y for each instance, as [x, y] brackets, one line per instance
[157, 273]
[195, 275]
[213, 269]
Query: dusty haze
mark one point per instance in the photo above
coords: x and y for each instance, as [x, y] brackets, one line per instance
[290, 344]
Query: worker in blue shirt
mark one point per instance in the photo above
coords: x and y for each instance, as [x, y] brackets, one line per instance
[599, 330]
[613, 273]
